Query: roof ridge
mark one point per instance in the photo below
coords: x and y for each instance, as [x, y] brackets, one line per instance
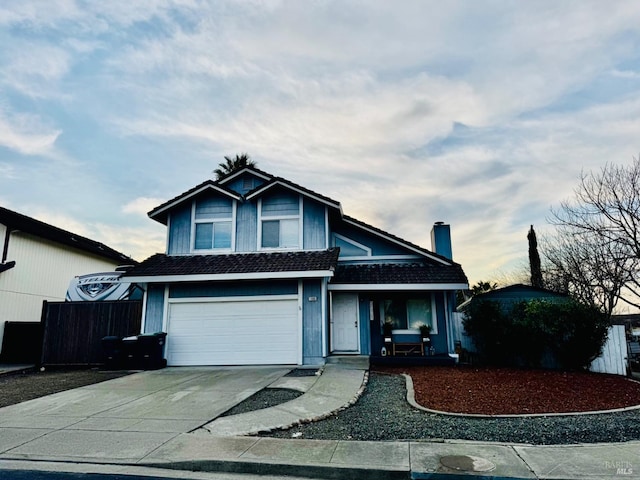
[51, 232]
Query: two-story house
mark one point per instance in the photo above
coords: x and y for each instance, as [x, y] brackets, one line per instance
[259, 270]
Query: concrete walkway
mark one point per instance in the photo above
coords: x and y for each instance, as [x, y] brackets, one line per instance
[336, 388]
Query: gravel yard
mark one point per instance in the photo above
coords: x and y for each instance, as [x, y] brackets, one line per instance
[20, 387]
[382, 413]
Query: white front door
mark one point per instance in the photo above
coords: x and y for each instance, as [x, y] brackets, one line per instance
[344, 322]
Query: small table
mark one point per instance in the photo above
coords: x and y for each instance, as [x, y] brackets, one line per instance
[407, 348]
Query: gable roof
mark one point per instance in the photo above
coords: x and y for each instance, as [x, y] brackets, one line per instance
[16, 221]
[236, 266]
[161, 212]
[397, 240]
[278, 181]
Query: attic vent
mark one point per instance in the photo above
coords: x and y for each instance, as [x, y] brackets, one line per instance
[247, 184]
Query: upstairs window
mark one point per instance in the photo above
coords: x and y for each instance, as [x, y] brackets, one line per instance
[280, 221]
[213, 224]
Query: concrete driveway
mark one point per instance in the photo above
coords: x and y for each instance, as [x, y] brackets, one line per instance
[149, 408]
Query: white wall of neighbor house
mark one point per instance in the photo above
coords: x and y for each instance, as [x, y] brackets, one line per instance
[43, 271]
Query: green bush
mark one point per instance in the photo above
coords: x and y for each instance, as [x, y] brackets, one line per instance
[523, 333]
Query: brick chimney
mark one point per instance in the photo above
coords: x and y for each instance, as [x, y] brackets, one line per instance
[441, 240]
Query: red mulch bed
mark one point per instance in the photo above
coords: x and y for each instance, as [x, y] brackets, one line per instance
[504, 391]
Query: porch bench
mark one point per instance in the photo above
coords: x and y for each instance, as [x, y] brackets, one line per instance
[407, 348]
[634, 351]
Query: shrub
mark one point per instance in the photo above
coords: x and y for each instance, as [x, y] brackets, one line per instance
[522, 333]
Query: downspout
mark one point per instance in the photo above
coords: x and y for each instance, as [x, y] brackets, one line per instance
[5, 249]
[4, 265]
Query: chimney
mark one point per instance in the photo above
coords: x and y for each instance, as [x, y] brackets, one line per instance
[441, 240]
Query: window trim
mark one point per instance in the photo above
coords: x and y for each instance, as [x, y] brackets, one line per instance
[298, 217]
[410, 331]
[212, 221]
[368, 250]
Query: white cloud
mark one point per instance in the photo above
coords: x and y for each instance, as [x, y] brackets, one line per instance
[142, 205]
[27, 134]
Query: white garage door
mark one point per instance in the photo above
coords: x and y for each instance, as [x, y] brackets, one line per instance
[233, 332]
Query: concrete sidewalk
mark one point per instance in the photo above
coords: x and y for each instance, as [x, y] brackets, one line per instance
[353, 459]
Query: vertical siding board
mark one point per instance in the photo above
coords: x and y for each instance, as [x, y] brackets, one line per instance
[314, 228]
[155, 309]
[180, 230]
[247, 227]
[312, 323]
[364, 325]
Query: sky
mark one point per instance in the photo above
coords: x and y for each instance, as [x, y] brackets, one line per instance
[481, 114]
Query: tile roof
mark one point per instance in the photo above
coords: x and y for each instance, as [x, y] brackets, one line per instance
[17, 221]
[272, 262]
[399, 273]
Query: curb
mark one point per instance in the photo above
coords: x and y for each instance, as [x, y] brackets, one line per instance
[333, 472]
[411, 398]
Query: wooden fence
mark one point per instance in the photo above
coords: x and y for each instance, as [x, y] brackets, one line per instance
[614, 353]
[73, 331]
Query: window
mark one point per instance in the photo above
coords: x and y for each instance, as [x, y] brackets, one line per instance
[408, 314]
[213, 224]
[350, 248]
[280, 221]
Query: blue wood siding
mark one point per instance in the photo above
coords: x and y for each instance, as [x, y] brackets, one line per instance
[312, 321]
[377, 245]
[245, 183]
[439, 341]
[314, 225]
[180, 230]
[364, 322]
[233, 289]
[247, 227]
[155, 309]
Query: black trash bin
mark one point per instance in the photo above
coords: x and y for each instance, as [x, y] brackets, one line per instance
[130, 353]
[151, 350]
[112, 352]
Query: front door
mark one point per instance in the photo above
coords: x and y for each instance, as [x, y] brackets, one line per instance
[344, 323]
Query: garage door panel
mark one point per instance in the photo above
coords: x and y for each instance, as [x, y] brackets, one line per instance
[233, 332]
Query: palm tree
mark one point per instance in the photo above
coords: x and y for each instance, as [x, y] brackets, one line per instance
[232, 164]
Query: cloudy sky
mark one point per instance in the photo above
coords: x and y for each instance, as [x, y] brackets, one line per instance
[481, 114]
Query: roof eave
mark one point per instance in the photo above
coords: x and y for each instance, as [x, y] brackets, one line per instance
[206, 277]
[397, 286]
[159, 214]
[268, 186]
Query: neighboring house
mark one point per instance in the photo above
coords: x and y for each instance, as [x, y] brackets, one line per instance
[259, 270]
[512, 294]
[37, 263]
